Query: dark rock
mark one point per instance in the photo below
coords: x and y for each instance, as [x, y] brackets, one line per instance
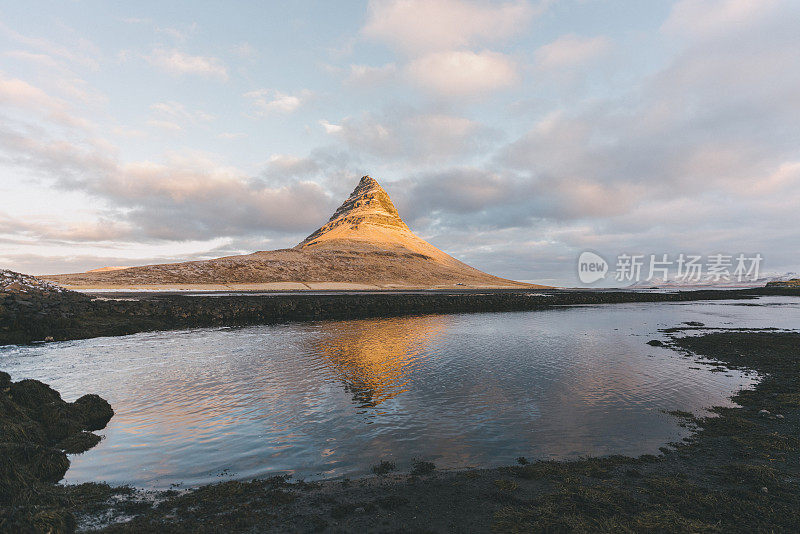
[78, 443]
[421, 467]
[36, 427]
[60, 420]
[21, 429]
[5, 380]
[93, 411]
[32, 394]
[29, 460]
[655, 343]
[37, 430]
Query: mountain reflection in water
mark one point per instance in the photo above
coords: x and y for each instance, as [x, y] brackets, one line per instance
[333, 398]
[374, 358]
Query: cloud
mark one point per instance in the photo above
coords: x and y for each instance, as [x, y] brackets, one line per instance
[19, 94]
[673, 165]
[695, 147]
[460, 73]
[79, 90]
[707, 18]
[334, 170]
[80, 52]
[178, 63]
[417, 26]
[571, 50]
[678, 135]
[286, 165]
[228, 136]
[459, 190]
[330, 128]
[165, 125]
[42, 260]
[409, 136]
[128, 133]
[32, 57]
[185, 196]
[368, 76]
[244, 50]
[268, 101]
[50, 234]
[785, 178]
[438, 38]
[177, 33]
[177, 111]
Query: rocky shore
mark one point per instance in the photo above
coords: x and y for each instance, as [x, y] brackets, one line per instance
[44, 314]
[738, 472]
[37, 431]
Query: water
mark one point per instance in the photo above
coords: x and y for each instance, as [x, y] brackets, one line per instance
[333, 398]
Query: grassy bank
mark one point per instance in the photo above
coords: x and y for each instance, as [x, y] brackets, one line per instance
[738, 472]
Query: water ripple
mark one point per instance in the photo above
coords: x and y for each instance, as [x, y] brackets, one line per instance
[333, 398]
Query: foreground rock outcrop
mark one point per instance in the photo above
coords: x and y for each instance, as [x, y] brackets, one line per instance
[364, 245]
[37, 431]
[13, 282]
[36, 310]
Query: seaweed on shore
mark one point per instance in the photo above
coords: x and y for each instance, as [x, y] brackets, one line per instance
[37, 429]
[737, 473]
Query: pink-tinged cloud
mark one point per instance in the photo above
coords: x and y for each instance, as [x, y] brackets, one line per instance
[268, 101]
[463, 73]
[706, 18]
[571, 51]
[16, 93]
[418, 26]
[178, 63]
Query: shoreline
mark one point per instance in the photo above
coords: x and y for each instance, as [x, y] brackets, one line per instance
[737, 471]
[27, 317]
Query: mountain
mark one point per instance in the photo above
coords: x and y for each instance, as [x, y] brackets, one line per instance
[792, 282]
[364, 245]
[761, 281]
[104, 269]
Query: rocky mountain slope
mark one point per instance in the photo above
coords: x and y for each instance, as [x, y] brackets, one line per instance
[364, 245]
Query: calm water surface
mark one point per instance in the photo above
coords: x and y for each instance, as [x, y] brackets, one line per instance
[333, 398]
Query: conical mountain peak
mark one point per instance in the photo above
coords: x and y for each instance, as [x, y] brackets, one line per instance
[367, 209]
[364, 245]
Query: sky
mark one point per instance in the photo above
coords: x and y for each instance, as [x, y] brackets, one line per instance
[513, 135]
